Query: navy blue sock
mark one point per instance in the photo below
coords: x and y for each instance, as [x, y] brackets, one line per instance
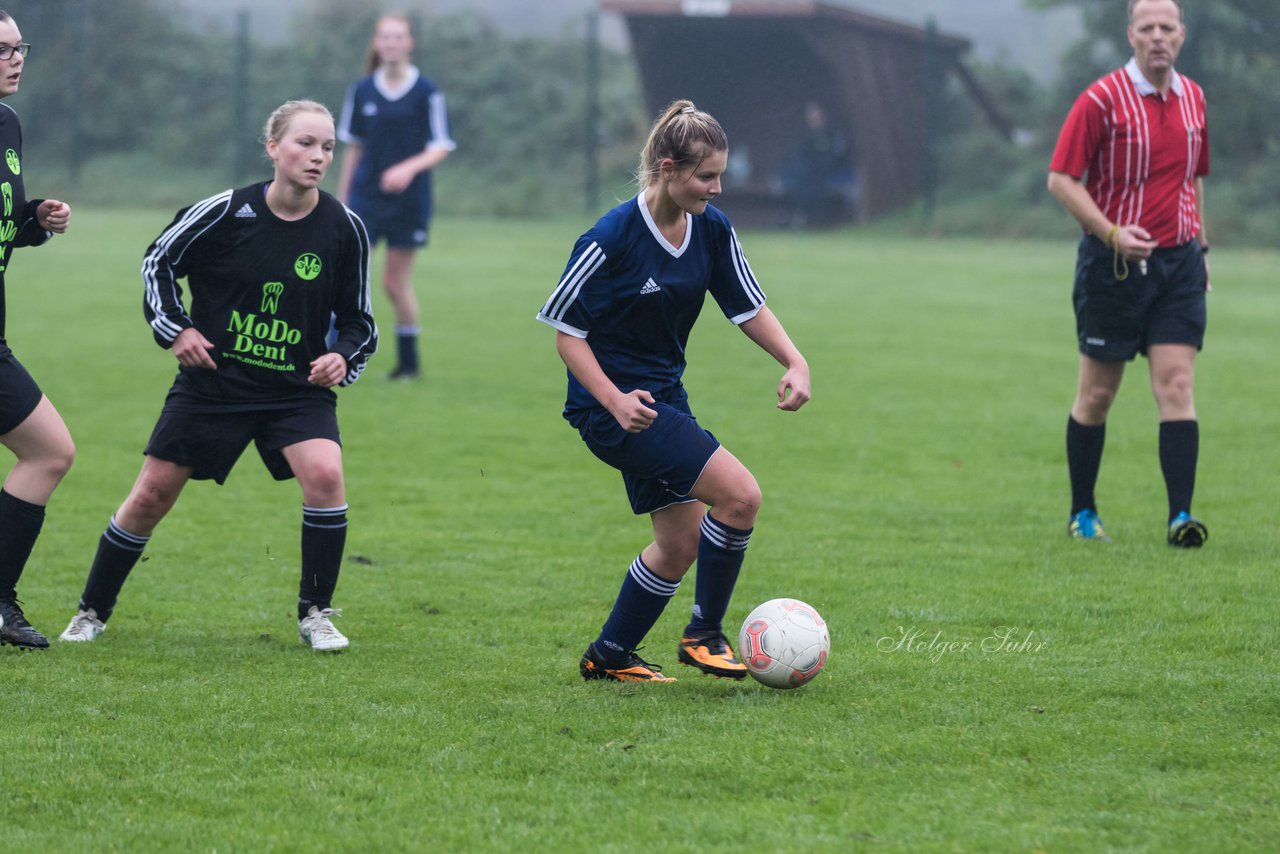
[20, 524]
[720, 553]
[118, 552]
[407, 347]
[1084, 458]
[1179, 452]
[324, 538]
[637, 608]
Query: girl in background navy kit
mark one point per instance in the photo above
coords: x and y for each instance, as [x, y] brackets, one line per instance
[396, 130]
[29, 425]
[267, 266]
[623, 310]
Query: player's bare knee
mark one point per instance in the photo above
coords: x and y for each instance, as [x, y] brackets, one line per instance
[740, 508]
[144, 508]
[58, 462]
[323, 484]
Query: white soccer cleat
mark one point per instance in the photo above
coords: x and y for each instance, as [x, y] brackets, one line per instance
[317, 630]
[84, 627]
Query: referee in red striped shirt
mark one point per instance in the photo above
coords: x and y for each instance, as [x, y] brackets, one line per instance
[1129, 166]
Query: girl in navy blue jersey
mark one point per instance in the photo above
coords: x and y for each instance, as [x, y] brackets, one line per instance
[623, 310]
[29, 425]
[266, 265]
[396, 130]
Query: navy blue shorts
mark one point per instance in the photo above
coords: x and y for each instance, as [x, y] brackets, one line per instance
[210, 443]
[659, 465]
[402, 226]
[19, 394]
[1118, 319]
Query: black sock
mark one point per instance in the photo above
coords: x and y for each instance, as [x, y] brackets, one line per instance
[324, 537]
[118, 552]
[1084, 458]
[1179, 452]
[20, 523]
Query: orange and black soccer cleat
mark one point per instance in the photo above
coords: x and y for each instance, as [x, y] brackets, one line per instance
[712, 654]
[633, 668]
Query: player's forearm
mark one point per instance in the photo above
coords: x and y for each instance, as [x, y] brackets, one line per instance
[350, 159]
[428, 158]
[582, 363]
[766, 331]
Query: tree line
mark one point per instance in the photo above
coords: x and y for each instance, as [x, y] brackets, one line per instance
[154, 110]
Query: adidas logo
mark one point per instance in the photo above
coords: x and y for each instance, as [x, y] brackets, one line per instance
[246, 212]
[650, 287]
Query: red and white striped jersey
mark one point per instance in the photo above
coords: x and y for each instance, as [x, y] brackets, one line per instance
[1142, 152]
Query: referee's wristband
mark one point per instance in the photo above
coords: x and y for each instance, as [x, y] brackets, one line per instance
[1204, 248]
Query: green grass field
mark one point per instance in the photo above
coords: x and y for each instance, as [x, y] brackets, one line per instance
[920, 496]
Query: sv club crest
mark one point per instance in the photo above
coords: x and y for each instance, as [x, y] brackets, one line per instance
[307, 266]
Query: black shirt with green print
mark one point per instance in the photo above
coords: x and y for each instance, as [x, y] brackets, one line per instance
[262, 291]
[18, 226]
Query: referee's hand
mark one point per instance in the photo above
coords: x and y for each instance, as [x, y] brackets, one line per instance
[192, 350]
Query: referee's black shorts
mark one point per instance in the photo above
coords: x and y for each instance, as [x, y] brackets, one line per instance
[1116, 319]
[19, 394]
[211, 442]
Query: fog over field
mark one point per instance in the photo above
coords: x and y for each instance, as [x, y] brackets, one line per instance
[1001, 30]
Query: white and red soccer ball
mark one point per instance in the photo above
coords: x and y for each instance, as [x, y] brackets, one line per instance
[784, 643]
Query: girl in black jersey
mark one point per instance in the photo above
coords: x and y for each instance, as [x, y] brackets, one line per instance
[267, 265]
[29, 425]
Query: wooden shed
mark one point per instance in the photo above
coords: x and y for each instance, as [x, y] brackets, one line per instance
[759, 66]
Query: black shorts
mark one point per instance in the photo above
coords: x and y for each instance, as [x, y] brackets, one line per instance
[210, 443]
[19, 394]
[1118, 319]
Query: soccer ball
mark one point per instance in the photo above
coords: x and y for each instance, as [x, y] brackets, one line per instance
[784, 643]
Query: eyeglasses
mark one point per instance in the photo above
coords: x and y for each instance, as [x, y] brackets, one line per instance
[8, 50]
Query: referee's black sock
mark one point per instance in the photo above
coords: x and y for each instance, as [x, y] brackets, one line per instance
[324, 537]
[118, 552]
[1084, 458]
[1179, 452]
[20, 524]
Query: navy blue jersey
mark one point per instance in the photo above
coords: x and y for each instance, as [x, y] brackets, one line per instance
[390, 127]
[634, 297]
[18, 225]
[262, 292]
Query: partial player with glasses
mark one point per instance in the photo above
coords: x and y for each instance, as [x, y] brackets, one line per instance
[30, 426]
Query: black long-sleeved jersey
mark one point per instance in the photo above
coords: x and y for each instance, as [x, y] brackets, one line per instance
[262, 290]
[18, 225]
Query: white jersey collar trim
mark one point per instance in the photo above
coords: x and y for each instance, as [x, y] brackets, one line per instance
[657, 232]
[395, 93]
